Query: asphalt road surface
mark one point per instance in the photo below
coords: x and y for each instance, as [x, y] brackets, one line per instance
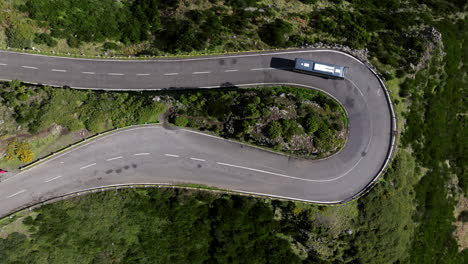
[159, 155]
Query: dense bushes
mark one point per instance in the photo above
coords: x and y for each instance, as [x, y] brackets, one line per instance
[152, 226]
[43, 38]
[435, 132]
[37, 108]
[134, 22]
[19, 35]
[276, 33]
[296, 120]
[389, 30]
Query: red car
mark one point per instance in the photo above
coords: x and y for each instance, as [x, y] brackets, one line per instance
[2, 171]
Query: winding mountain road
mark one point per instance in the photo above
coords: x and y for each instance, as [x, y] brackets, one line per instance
[154, 154]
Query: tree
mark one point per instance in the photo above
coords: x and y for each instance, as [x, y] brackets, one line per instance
[274, 130]
[311, 124]
[276, 33]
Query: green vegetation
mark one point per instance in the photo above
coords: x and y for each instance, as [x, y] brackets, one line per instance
[18, 150]
[437, 133]
[160, 225]
[406, 218]
[151, 226]
[34, 110]
[37, 108]
[294, 120]
[158, 27]
[281, 121]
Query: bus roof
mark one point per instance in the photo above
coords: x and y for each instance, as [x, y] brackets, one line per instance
[320, 67]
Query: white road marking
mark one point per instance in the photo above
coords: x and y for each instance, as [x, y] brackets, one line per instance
[171, 73]
[210, 58]
[22, 191]
[29, 67]
[359, 90]
[56, 70]
[87, 166]
[3, 64]
[261, 69]
[200, 72]
[266, 172]
[74, 149]
[202, 134]
[197, 159]
[115, 74]
[172, 155]
[143, 74]
[87, 72]
[142, 154]
[286, 197]
[231, 70]
[272, 168]
[55, 178]
[119, 157]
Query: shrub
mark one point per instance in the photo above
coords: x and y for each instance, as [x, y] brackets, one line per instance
[10, 151]
[73, 42]
[150, 113]
[181, 121]
[20, 150]
[22, 97]
[96, 124]
[14, 84]
[276, 33]
[311, 124]
[290, 128]
[274, 130]
[28, 220]
[73, 124]
[110, 46]
[44, 38]
[310, 2]
[19, 36]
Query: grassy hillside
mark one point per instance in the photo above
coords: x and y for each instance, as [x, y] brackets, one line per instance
[408, 217]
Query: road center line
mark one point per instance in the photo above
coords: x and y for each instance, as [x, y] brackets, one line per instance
[55, 178]
[3, 64]
[29, 67]
[22, 191]
[87, 72]
[143, 74]
[231, 70]
[261, 69]
[267, 172]
[197, 159]
[200, 72]
[87, 166]
[56, 70]
[142, 154]
[119, 157]
[115, 74]
[171, 155]
[171, 73]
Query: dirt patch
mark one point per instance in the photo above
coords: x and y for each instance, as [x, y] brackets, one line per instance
[461, 230]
